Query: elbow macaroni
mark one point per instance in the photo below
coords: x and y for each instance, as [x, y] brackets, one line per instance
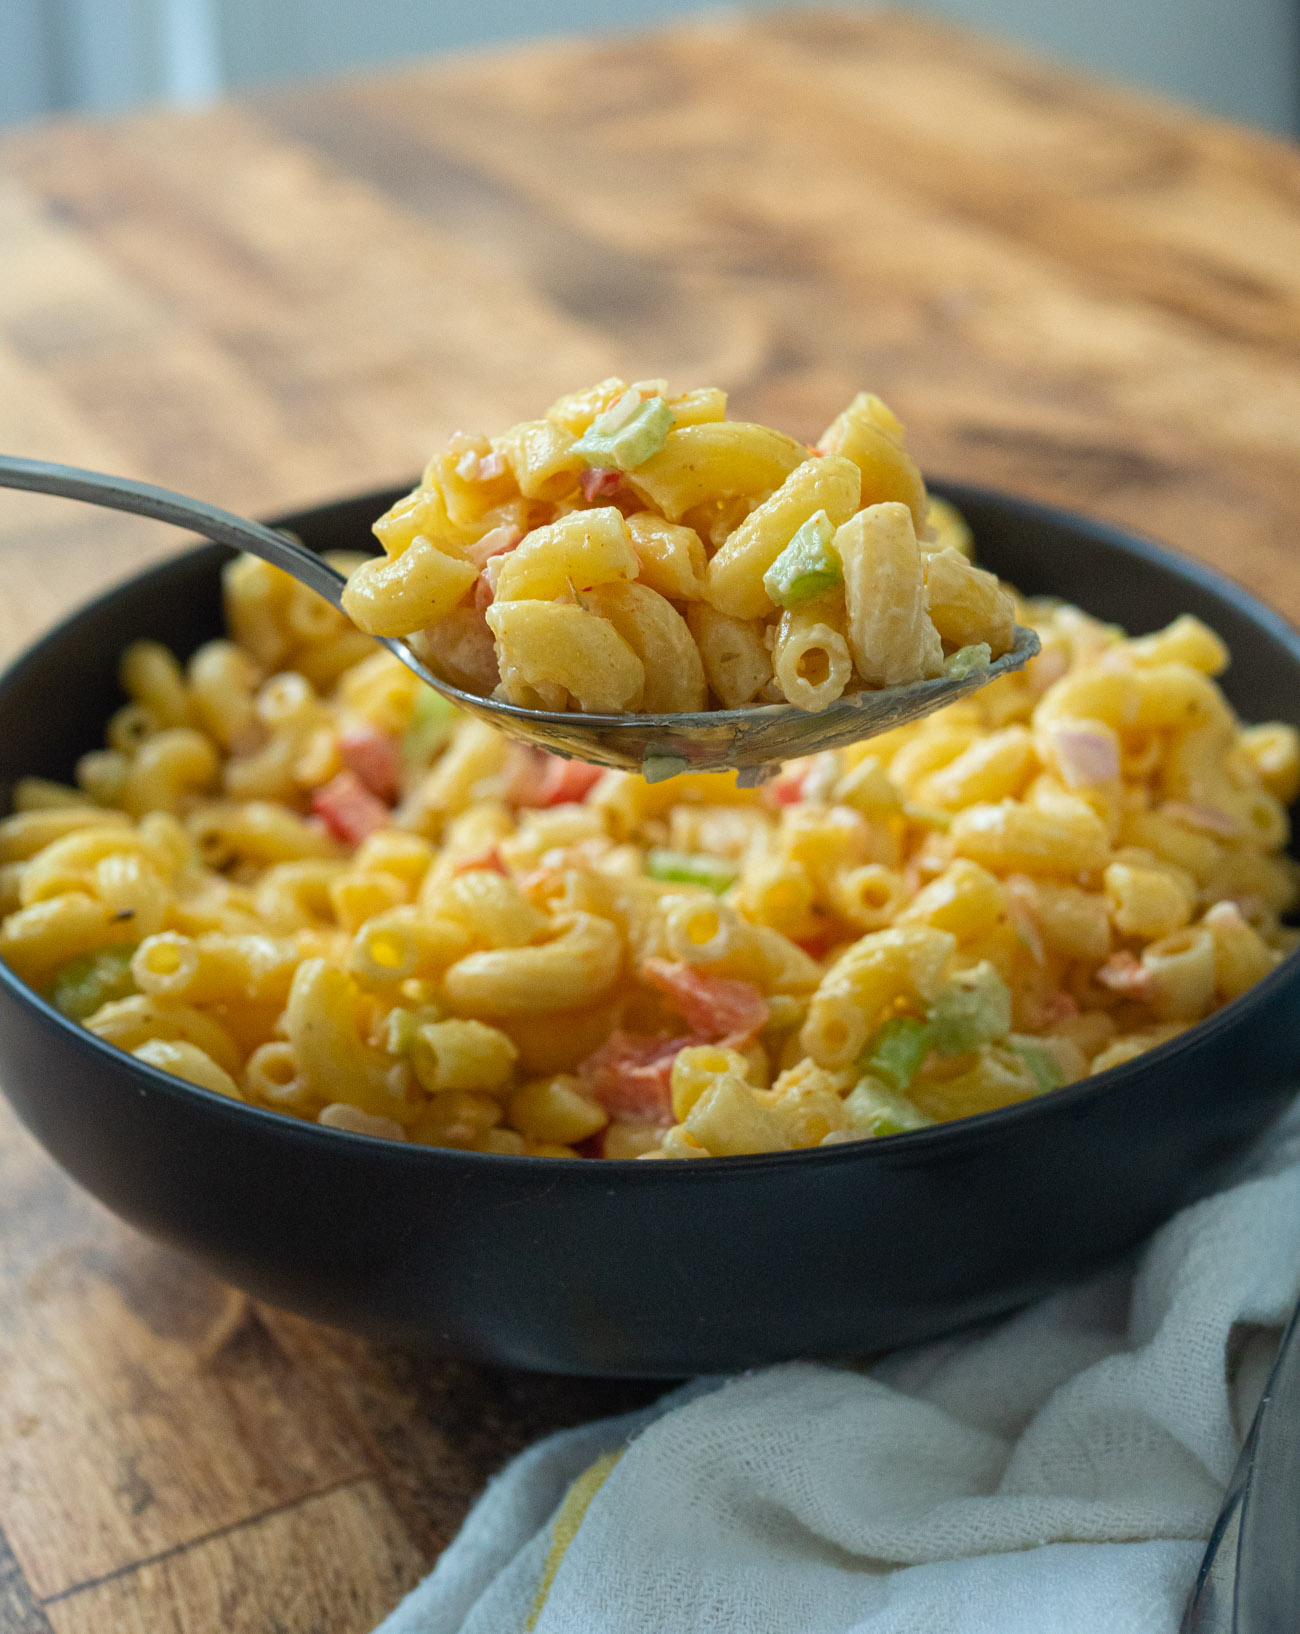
[619, 555]
[297, 881]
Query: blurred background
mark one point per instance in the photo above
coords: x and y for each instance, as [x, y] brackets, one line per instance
[1238, 58]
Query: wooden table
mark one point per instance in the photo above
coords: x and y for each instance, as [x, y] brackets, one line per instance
[1062, 289]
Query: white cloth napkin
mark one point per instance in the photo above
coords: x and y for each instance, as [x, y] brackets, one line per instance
[1057, 1473]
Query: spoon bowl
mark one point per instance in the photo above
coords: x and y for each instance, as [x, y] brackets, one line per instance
[751, 742]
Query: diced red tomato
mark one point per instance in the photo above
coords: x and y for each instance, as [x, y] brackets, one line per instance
[819, 944]
[597, 482]
[714, 1007]
[631, 1073]
[786, 788]
[375, 758]
[535, 778]
[348, 809]
[631, 1076]
[568, 781]
[489, 861]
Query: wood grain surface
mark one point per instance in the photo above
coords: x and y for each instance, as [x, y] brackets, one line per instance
[1062, 290]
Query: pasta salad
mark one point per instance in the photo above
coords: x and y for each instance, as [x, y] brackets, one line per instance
[636, 551]
[299, 878]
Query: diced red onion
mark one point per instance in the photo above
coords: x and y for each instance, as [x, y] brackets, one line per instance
[493, 543]
[1046, 670]
[1023, 908]
[598, 482]
[1085, 755]
[1209, 818]
[1124, 973]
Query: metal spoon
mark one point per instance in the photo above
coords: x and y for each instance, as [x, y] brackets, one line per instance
[1249, 1581]
[750, 741]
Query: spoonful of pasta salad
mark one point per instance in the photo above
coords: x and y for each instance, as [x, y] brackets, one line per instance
[637, 581]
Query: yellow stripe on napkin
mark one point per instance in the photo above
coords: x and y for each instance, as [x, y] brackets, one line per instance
[567, 1522]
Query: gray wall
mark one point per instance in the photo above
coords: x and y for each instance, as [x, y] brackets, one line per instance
[1240, 58]
[103, 55]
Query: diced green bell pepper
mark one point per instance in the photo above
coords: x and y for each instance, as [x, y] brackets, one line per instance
[872, 1108]
[658, 768]
[432, 722]
[896, 1050]
[966, 660]
[641, 435]
[973, 1008]
[807, 567]
[687, 868]
[91, 979]
[1043, 1066]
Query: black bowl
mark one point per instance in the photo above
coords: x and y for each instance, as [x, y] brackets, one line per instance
[655, 1268]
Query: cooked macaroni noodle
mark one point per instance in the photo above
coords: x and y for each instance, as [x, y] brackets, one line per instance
[636, 551]
[299, 878]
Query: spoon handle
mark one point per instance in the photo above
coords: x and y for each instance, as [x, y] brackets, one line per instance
[123, 494]
[1249, 1582]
